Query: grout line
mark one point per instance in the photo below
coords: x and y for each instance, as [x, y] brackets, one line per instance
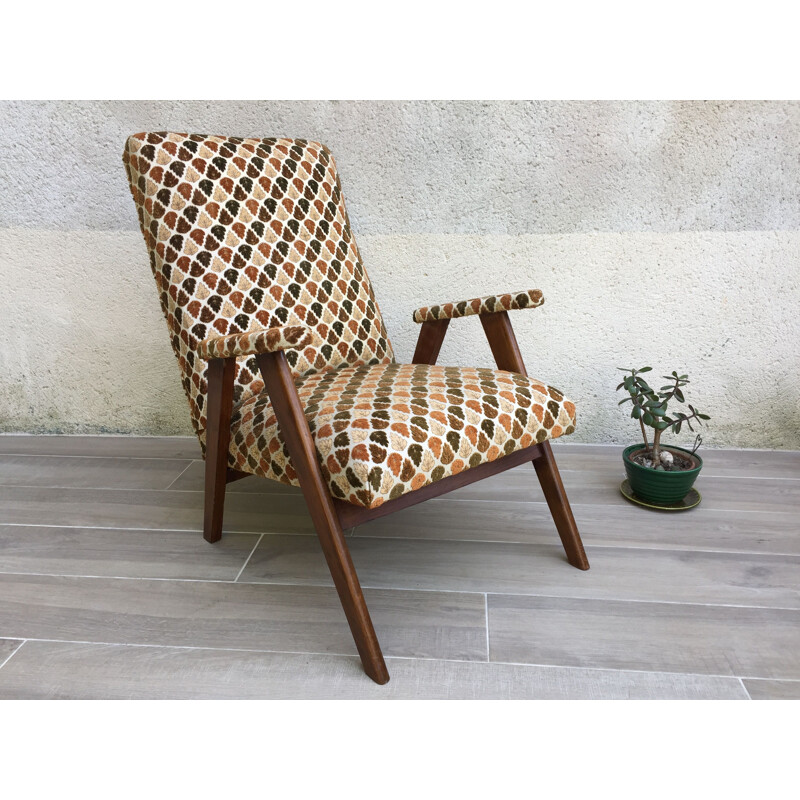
[616, 504]
[179, 475]
[486, 611]
[109, 457]
[246, 561]
[566, 454]
[124, 578]
[745, 689]
[288, 492]
[365, 585]
[149, 530]
[627, 546]
[13, 653]
[409, 658]
[378, 537]
[559, 443]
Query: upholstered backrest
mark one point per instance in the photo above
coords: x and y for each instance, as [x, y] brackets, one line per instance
[247, 234]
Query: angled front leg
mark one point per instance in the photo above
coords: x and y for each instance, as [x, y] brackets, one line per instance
[303, 453]
[506, 353]
[220, 375]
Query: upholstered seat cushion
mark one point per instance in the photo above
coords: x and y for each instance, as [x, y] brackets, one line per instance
[386, 429]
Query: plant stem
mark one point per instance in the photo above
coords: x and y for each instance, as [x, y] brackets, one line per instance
[644, 435]
[656, 452]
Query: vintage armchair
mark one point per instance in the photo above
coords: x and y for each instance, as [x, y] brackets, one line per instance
[288, 367]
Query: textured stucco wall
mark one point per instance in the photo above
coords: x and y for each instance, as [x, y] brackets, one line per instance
[666, 233]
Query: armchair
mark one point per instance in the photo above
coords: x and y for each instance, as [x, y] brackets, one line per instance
[288, 368]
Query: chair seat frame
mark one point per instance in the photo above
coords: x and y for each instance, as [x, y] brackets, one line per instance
[332, 516]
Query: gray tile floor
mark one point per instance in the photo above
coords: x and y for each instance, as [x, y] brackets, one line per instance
[107, 589]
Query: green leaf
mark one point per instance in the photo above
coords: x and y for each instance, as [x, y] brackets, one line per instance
[645, 369]
[677, 427]
[704, 416]
[648, 418]
[620, 386]
[624, 369]
[679, 395]
[625, 400]
[637, 412]
[628, 383]
[662, 426]
[659, 411]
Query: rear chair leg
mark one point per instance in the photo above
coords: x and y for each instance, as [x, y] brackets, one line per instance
[549, 478]
[218, 437]
[505, 350]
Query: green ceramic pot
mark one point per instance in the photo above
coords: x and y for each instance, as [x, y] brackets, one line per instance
[657, 487]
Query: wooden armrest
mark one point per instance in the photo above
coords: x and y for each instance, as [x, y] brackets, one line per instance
[253, 343]
[480, 306]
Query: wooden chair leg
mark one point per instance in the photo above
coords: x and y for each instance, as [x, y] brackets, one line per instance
[550, 480]
[303, 452]
[220, 376]
[505, 350]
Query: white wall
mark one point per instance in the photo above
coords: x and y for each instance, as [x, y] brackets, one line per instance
[660, 233]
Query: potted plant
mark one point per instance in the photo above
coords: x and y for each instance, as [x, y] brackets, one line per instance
[661, 476]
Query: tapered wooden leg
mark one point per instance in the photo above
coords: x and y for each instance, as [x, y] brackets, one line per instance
[549, 478]
[505, 350]
[303, 453]
[218, 437]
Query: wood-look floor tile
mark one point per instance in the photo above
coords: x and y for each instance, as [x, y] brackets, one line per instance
[616, 573]
[89, 473]
[773, 690]
[241, 616]
[122, 553]
[658, 637]
[169, 510]
[193, 480]
[54, 670]
[181, 447]
[627, 526]
[780, 464]
[601, 487]
[7, 648]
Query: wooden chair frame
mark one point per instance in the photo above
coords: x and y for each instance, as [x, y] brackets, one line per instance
[330, 515]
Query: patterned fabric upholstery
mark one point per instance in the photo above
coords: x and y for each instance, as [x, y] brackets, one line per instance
[385, 430]
[251, 344]
[250, 234]
[480, 305]
[251, 249]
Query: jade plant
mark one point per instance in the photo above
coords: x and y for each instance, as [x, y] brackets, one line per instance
[650, 408]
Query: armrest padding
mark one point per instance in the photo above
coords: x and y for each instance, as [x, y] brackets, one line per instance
[479, 306]
[252, 343]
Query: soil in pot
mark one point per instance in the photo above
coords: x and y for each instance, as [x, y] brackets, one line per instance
[680, 461]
